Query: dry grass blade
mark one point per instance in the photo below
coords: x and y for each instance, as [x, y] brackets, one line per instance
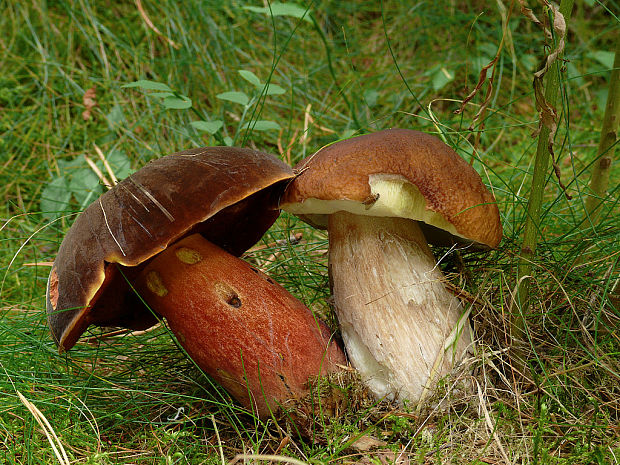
[107, 166]
[490, 424]
[55, 443]
[448, 344]
[152, 27]
[98, 172]
[266, 457]
[219, 441]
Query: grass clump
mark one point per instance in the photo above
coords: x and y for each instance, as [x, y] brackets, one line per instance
[121, 397]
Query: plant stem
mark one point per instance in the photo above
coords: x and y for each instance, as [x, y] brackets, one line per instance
[600, 175]
[534, 205]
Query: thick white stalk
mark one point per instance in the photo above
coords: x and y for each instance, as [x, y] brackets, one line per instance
[402, 329]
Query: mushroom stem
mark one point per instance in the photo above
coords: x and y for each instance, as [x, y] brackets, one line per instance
[400, 326]
[238, 325]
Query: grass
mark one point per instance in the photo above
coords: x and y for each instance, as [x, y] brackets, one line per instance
[134, 397]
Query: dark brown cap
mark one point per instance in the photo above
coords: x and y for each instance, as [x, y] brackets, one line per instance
[396, 172]
[229, 195]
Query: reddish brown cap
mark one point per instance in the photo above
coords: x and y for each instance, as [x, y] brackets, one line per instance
[396, 172]
[229, 195]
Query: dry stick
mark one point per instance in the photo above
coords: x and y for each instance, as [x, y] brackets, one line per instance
[600, 175]
[534, 205]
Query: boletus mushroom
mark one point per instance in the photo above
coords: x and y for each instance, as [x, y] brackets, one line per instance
[172, 231]
[383, 197]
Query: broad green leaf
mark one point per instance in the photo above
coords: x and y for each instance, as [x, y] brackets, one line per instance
[528, 61]
[68, 167]
[55, 198]
[274, 89]
[235, 97]
[604, 58]
[371, 96]
[163, 95]
[574, 74]
[441, 78]
[488, 48]
[347, 133]
[120, 164]
[149, 85]
[477, 63]
[208, 126]
[116, 117]
[177, 102]
[282, 9]
[228, 141]
[250, 77]
[262, 125]
[85, 187]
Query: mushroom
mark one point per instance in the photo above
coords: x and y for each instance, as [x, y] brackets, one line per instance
[383, 197]
[173, 230]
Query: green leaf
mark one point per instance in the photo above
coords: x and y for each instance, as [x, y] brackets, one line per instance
[282, 9]
[228, 141]
[148, 85]
[65, 166]
[573, 74]
[208, 126]
[347, 133]
[177, 102]
[371, 96]
[477, 63]
[85, 186]
[55, 198]
[274, 89]
[163, 95]
[262, 125]
[116, 117]
[604, 58]
[120, 164]
[250, 77]
[529, 61]
[235, 97]
[441, 78]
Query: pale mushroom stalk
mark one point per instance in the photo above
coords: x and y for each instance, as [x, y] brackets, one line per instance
[411, 329]
[401, 190]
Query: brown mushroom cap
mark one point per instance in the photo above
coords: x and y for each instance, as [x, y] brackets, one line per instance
[229, 195]
[396, 172]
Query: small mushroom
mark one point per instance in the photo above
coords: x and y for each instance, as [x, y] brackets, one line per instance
[173, 229]
[383, 197]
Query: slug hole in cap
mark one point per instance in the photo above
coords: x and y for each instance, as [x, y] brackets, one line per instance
[228, 295]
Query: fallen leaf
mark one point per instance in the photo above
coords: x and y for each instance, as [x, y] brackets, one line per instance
[89, 102]
[386, 457]
[365, 443]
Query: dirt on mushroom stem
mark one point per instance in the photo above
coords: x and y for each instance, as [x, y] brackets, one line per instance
[242, 328]
[402, 328]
